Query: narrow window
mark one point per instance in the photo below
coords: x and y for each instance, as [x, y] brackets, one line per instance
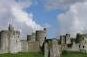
[79, 46]
[83, 46]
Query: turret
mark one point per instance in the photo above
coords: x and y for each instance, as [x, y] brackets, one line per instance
[10, 28]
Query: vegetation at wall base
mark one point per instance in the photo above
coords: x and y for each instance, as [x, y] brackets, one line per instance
[73, 54]
[25, 54]
[35, 54]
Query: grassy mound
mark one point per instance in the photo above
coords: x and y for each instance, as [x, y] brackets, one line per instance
[22, 55]
[73, 54]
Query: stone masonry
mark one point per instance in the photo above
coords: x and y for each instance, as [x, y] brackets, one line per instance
[10, 42]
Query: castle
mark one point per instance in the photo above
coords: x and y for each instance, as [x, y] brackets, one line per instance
[10, 42]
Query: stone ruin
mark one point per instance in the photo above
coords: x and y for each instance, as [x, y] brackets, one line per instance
[52, 48]
[10, 42]
[78, 44]
[55, 50]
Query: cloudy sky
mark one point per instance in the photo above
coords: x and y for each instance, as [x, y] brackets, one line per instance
[58, 16]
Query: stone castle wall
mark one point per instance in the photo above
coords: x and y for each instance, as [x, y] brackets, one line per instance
[46, 50]
[10, 43]
[55, 50]
[33, 47]
[24, 46]
[30, 46]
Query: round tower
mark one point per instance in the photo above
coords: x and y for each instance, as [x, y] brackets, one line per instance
[4, 41]
[41, 36]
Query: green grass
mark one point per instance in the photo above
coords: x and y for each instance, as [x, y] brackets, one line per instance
[73, 54]
[65, 54]
[22, 55]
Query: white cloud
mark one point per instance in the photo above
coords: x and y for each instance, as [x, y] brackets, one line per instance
[25, 18]
[20, 18]
[75, 19]
[60, 4]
